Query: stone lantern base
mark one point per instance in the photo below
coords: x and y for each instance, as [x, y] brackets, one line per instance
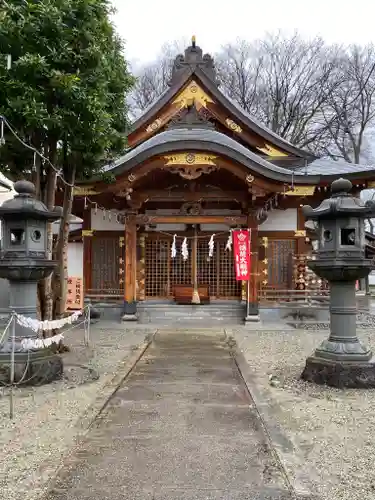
[31, 368]
[340, 374]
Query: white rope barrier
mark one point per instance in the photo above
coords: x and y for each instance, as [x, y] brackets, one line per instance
[28, 344]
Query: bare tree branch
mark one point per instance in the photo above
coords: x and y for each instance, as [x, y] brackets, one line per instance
[319, 97]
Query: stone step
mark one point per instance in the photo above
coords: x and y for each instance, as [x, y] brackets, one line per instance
[203, 307]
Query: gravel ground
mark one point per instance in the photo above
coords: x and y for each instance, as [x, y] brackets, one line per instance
[47, 419]
[332, 431]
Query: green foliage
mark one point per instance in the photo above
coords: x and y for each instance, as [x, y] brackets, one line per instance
[67, 86]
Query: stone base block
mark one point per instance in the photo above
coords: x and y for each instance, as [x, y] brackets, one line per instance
[129, 317]
[252, 318]
[94, 313]
[34, 368]
[340, 374]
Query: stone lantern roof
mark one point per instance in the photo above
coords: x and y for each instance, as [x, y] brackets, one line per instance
[341, 204]
[25, 205]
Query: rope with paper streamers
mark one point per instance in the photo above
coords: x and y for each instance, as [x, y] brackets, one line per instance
[199, 237]
[6, 123]
[36, 326]
[119, 217]
[29, 344]
[211, 245]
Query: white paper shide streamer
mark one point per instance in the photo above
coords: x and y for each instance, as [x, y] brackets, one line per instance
[211, 246]
[184, 249]
[35, 325]
[28, 344]
[228, 246]
[174, 249]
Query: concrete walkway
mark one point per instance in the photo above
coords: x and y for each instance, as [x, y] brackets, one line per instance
[181, 427]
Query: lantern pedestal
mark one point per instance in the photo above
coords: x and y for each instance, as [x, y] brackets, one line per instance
[340, 374]
[37, 367]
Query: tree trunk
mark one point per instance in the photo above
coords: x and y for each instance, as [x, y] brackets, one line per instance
[61, 273]
[45, 286]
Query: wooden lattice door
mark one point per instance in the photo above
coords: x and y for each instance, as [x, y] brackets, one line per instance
[207, 267]
[280, 269]
[228, 286]
[218, 271]
[161, 271]
[107, 256]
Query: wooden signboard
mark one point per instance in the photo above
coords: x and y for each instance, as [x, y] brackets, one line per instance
[74, 300]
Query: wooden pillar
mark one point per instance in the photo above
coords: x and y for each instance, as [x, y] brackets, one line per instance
[301, 246]
[194, 258]
[141, 268]
[130, 293]
[87, 251]
[252, 306]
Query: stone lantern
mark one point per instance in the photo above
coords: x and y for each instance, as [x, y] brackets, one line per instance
[23, 263]
[341, 360]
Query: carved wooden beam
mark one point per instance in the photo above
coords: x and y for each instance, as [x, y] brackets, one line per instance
[164, 195]
[191, 219]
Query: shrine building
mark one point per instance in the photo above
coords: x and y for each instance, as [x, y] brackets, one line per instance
[197, 167]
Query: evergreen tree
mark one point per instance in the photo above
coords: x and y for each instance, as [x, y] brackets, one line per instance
[65, 94]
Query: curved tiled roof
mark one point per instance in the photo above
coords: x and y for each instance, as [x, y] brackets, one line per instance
[197, 138]
[202, 135]
[326, 166]
[232, 106]
[204, 139]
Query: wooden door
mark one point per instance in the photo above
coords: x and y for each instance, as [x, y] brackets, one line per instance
[107, 256]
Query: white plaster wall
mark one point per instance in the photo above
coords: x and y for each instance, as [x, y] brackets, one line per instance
[170, 227]
[215, 227]
[75, 260]
[104, 221]
[280, 220]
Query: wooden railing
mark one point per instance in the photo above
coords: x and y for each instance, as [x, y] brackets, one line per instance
[300, 284]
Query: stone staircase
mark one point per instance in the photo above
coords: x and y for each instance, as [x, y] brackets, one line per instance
[217, 313]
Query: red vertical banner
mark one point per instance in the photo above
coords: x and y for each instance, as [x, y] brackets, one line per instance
[241, 252]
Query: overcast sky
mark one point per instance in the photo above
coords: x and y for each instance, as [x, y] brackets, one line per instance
[146, 25]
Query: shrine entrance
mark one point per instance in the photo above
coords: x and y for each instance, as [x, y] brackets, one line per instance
[163, 273]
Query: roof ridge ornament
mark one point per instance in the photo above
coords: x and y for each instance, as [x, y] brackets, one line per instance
[190, 118]
[193, 59]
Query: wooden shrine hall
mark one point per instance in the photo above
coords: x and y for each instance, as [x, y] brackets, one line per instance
[197, 166]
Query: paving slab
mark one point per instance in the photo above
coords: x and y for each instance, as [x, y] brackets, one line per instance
[181, 426]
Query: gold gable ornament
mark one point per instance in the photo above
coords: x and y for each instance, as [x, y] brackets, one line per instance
[190, 166]
[271, 151]
[154, 126]
[193, 94]
[233, 125]
[84, 191]
[301, 191]
[190, 159]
